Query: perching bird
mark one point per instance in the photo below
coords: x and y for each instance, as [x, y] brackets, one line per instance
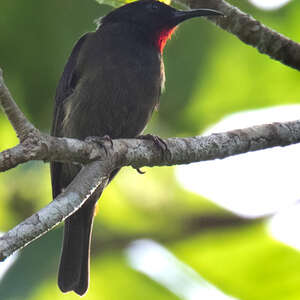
[110, 86]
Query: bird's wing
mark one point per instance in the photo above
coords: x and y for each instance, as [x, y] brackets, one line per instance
[64, 89]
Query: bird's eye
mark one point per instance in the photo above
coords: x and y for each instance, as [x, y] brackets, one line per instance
[155, 5]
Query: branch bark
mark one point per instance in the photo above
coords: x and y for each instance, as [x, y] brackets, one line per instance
[140, 153]
[252, 32]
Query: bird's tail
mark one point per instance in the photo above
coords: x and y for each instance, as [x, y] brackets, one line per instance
[75, 258]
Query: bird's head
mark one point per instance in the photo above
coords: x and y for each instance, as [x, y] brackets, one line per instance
[155, 18]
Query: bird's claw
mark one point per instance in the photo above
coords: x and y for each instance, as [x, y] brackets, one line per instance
[160, 143]
[100, 141]
[140, 171]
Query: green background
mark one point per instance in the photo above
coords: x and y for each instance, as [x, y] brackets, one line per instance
[210, 74]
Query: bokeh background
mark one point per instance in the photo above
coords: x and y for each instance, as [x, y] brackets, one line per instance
[156, 237]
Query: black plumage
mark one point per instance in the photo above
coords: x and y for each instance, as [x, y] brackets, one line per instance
[110, 86]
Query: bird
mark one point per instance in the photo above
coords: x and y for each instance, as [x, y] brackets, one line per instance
[110, 86]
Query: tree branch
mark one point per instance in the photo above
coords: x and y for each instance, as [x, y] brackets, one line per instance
[252, 32]
[140, 153]
[137, 153]
[93, 176]
[22, 126]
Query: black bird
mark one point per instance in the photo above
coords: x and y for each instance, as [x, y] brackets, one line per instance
[110, 86]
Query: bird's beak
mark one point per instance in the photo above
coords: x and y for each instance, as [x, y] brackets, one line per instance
[182, 15]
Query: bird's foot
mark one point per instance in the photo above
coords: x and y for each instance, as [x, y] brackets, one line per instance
[160, 143]
[100, 141]
[140, 171]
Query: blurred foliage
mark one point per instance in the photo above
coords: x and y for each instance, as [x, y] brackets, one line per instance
[117, 3]
[210, 74]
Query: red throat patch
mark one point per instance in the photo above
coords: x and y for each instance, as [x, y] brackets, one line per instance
[163, 37]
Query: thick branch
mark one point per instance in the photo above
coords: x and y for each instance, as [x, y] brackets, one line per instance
[214, 146]
[49, 148]
[139, 153]
[252, 32]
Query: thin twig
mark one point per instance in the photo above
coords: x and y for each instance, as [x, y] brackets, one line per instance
[22, 126]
